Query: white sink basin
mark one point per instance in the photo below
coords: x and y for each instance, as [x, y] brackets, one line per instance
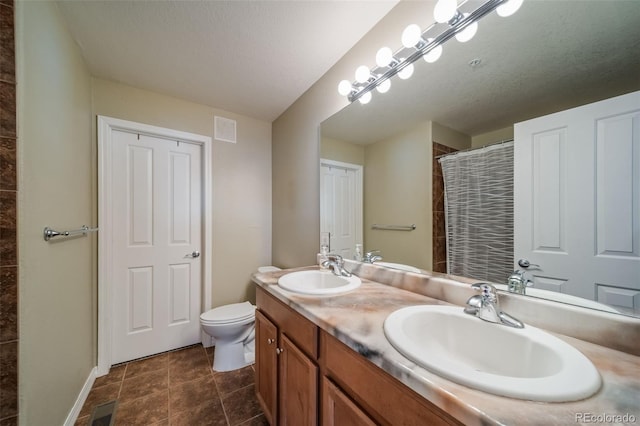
[525, 363]
[318, 282]
[399, 266]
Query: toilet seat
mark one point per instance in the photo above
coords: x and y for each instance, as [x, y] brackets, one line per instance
[229, 314]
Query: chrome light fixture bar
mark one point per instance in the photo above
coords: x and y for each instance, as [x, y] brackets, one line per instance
[456, 25]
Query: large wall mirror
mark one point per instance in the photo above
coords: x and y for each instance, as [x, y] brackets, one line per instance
[550, 56]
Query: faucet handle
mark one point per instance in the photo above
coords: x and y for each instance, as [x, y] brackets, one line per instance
[488, 293]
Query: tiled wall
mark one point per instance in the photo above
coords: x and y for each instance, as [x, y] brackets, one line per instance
[439, 231]
[8, 224]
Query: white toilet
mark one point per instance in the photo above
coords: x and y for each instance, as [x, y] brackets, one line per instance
[233, 329]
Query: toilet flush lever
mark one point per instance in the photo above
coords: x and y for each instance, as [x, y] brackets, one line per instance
[195, 254]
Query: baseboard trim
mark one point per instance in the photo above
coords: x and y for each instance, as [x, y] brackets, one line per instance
[82, 397]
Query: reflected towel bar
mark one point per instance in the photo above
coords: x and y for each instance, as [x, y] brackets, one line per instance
[50, 233]
[394, 227]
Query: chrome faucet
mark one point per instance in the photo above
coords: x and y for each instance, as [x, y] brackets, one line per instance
[486, 306]
[371, 256]
[336, 263]
[517, 281]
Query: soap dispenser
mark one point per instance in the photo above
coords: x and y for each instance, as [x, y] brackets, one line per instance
[358, 253]
[325, 237]
[324, 251]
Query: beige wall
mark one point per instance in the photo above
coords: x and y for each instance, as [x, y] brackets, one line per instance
[449, 137]
[499, 135]
[58, 102]
[296, 137]
[56, 151]
[333, 149]
[241, 180]
[397, 191]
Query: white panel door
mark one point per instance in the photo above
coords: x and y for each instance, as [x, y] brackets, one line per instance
[157, 228]
[577, 200]
[341, 205]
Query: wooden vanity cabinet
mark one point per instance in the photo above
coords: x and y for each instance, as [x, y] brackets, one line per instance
[339, 410]
[306, 377]
[286, 363]
[266, 366]
[381, 396]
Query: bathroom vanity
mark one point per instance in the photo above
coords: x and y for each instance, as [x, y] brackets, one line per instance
[303, 374]
[325, 360]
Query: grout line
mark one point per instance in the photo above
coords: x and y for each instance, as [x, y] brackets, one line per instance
[224, 411]
[168, 393]
[124, 374]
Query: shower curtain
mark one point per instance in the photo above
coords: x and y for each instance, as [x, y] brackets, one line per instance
[479, 212]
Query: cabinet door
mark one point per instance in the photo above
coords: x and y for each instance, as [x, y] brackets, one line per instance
[339, 410]
[298, 386]
[266, 367]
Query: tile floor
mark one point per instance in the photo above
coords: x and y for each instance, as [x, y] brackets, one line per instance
[177, 388]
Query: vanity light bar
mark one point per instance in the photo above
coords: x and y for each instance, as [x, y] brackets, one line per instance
[458, 23]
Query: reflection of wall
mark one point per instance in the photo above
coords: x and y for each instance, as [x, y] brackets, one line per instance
[397, 178]
[445, 140]
[333, 149]
[492, 137]
[439, 228]
[398, 190]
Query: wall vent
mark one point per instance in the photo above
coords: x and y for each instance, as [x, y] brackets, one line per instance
[224, 129]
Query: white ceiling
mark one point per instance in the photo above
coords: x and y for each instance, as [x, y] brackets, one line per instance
[549, 56]
[253, 58]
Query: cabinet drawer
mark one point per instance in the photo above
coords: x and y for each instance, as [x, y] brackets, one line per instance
[300, 330]
[363, 382]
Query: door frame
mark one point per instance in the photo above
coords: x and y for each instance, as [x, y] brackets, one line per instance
[358, 169]
[106, 125]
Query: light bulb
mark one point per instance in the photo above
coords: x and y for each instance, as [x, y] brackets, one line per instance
[344, 88]
[468, 33]
[445, 10]
[364, 99]
[434, 54]
[406, 71]
[384, 57]
[411, 35]
[508, 8]
[384, 86]
[362, 74]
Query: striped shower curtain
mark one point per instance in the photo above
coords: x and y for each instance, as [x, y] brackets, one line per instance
[479, 212]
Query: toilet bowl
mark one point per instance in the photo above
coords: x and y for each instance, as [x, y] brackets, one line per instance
[233, 328]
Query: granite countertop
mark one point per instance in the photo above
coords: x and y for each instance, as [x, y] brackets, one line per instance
[356, 318]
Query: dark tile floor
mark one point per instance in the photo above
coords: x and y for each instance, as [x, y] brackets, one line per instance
[177, 388]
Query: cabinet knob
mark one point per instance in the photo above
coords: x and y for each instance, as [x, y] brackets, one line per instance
[279, 351]
[270, 341]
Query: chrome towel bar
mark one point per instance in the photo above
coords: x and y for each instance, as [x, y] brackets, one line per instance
[394, 227]
[51, 233]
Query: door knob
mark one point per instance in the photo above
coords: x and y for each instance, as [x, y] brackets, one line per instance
[195, 254]
[524, 263]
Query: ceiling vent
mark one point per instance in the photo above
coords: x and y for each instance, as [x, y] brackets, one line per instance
[224, 129]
